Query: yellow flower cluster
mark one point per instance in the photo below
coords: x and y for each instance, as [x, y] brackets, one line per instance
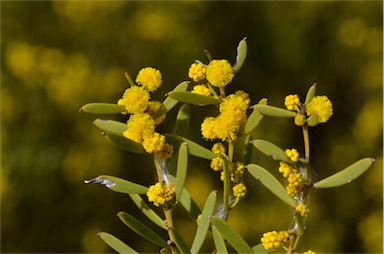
[293, 177]
[150, 78]
[292, 154]
[201, 89]
[159, 194]
[292, 102]
[322, 106]
[239, 190]
[302, 209]
[232, 116]
[218, 148]
[135, 100]
[197, 72]
[219, 73]
[273, 240]
[217, 163]
[285, 169]
[309, 252]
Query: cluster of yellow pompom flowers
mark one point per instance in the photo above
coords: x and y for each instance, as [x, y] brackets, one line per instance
[159, 194]
[302, 209]
[141, 124]
[239, 190]
[273, 240]
[293, 178]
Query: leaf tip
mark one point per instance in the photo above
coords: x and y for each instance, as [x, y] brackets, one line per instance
[81, 109]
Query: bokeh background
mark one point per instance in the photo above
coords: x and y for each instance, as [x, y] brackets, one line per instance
[59, 55]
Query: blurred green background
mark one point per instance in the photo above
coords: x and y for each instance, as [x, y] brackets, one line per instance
[57, 56]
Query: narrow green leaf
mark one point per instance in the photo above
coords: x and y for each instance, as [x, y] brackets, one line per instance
[193, 148]
[310, 94]
[141, 229]
[346, 175]
[271, 183]
[169, 103]
[313, 120]
[125, 143]
[102, 108]
[271, 149]
[203, 227]
[233, 238]
[241, 55]
[182, 166]
[119, 185]
[221, 248]
[111, 126]
[259, 249]
[194, 98]
[274, 111]
[147, 211]
[182, 120]
[179, 241]
[255, 118]
[116, 244]
[189, 204]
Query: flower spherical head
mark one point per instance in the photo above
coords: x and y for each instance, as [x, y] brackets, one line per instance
[160, 194]
[292, 154]
[140, 126]
[302, 209]
[154, 143]
[219, 73]
[218, 148]
[150, 78]
[217, 164]
[322, 106]
[272, 240]
[292, 102]
[300, 120]
[239, 190]
[202, 90]
[197, 72]
[135, 100]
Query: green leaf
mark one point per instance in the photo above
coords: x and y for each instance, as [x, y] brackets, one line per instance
[313, 120]
[255, 118]
[115, 243]
[194, 98]
[182, 166]
[233, 238]
[119, 185]
[259, 249]
[189, 204]
[203, 227]
[179, 241]
[169, 103]
[102, 108]
[241, 55]
[271, 149]
[274, 111]
[141, 229]
[346, 175]
[147, 211]
[182, 120]
[221, 248]
[193, 148]
[310, 94]
[111, 126]
[125, 143]
[271, 183]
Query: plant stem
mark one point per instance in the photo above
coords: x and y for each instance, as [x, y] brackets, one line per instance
[306, 143]
[169, 222]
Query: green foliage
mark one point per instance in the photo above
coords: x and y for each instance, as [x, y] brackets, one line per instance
[116, 243]
[102, 108]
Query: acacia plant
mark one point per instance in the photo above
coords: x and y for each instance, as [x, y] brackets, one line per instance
[235, 118]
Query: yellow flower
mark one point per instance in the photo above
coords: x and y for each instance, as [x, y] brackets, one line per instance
[272, 240]
[292, 154]
[292, 102]
[294, 180]
[300, 120]
[302, 209]
[322, 106]
[160, 194]
[150, 78]
[309, 252]
[218, 148]
[197, 72]
[201, 89]
[154, 143]
[217, 163]
[208, 128]
[239, 190]
[135, 100]
[236, 103]
[153, 106]
[167, 151]
[219, 73]
[285, 169]
[139, 126]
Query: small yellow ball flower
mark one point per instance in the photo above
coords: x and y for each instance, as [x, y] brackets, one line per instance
[300, 120]
[302, 209]
[208, 128]
[202, 90]
[322, 106]
[272, 240]
[292, 154]
[309, 252]
[219, 73]
[292, 102]
[160, 194]
[197, 72]
[217, 163]
[150, 78]
[239, 190]
[139, 126]
[285, 169]
[239, 168]
[218, 148]
[154, 143]
[167, 151]
[135, 100]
